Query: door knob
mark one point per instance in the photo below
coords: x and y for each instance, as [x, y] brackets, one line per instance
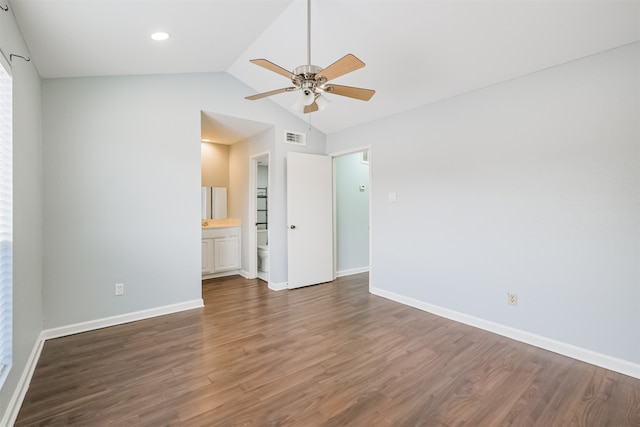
[292, 227]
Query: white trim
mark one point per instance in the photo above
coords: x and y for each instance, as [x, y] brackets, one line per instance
[598, 359]
[245, 274]
[278, 286]
[364, 157]
[351, 271]
[351, 151]
[20, 391]
[120, 319]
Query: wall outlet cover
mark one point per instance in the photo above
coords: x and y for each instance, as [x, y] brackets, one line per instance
[119, 289]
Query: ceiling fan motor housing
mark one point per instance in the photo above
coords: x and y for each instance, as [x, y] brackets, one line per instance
[306, 77]
[308, 71]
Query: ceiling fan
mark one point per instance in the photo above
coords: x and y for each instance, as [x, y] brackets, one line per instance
[312, 80]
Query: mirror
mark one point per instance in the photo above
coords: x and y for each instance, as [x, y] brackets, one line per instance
[214, 203]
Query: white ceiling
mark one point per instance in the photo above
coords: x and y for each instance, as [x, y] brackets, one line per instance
[417, 51]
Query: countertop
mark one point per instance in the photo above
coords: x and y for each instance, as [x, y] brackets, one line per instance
[221, 223]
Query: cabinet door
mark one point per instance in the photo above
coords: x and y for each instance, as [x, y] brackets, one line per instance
[226, 254]
[207, 256]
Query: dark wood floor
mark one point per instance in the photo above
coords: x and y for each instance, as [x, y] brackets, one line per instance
[330, 355]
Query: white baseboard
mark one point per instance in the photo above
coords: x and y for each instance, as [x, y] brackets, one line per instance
[278, 286]
[245, 274]
[20, 392]
[598, 359]
[120, 319]
[351, 271]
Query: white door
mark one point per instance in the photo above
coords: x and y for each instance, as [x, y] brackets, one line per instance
[310, 217]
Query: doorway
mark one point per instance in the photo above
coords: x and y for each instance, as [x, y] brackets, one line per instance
[325, 244]
[259, 260]
[352, 207]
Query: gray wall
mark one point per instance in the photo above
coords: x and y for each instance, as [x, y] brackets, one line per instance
[122, 188]
[352, 213]
[528, 186]
[239, 182]
[122, 175]
[27, 205]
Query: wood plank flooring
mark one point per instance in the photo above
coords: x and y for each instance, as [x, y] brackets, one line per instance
[326, 355]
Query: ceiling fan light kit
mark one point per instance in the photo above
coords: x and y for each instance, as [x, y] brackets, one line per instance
[311, 80]
[305, 99]
[322, 102]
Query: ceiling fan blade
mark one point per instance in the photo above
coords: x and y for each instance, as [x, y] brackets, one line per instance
[272, 92]
[351, 92]
[342, 66]
[311, 108]
[272, 67]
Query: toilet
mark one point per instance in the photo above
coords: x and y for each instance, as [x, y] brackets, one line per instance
[263, 258]
[263, 251]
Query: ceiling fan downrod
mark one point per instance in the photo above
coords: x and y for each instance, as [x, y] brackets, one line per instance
[306, 76]
[309, 33]
[311, 79]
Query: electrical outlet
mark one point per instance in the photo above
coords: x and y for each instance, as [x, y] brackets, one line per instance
[119, 289]
[512, 298]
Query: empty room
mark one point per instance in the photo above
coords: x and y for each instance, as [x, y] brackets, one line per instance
[320, 213]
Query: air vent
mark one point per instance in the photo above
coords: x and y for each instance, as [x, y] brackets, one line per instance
[295, 138]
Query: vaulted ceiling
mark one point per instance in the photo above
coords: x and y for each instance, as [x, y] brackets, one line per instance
[417, 51]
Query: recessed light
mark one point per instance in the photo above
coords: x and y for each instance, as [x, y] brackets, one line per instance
[159, 36]
[206, 140]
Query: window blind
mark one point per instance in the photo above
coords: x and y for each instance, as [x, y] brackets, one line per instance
[6, 219]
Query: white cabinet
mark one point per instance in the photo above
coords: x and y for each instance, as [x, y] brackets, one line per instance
[220, 251]
[207, 256]
[226, 254]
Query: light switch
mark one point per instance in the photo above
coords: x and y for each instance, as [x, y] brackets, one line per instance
[392, 196]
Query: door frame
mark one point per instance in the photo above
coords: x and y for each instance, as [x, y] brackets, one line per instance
[252, 245]
[334, 156]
